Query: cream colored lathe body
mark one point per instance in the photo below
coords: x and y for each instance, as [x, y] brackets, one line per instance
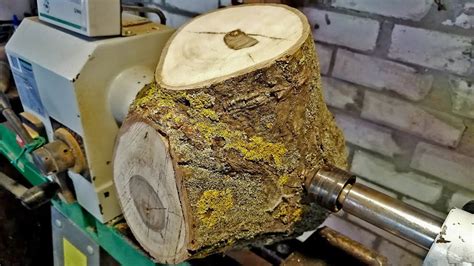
[85, 85]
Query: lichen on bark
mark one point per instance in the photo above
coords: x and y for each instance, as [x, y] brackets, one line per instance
[242, 149]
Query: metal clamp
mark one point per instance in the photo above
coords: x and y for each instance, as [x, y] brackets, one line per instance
[327, 185]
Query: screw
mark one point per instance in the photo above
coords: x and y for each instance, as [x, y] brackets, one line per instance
[283, 249]
[58, 223]
[90, 250]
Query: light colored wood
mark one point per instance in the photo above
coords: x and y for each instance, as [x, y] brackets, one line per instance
[264, 1]
[148, 194]
[224, 147]
[198, 55]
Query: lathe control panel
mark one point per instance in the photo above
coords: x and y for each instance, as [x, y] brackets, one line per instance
[88, 17]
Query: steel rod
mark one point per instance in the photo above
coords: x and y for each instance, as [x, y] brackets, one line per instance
[337, 189]
[11, 185]
[392, 215]
[352, 247]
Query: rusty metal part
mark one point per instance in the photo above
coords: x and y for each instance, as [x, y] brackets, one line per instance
[247, 257]
[39, 195]
[299, 259]
[11, 185]
[32, 197]
[326, 186]
[33, 124]
[4, 77]
[13, 119]
[80, 163]
[351, 247]
[54, 157]
[65, 194]
[334, 189]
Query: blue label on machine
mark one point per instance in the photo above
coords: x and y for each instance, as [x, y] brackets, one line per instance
[26, 84]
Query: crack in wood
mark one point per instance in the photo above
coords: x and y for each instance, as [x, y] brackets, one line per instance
[249, 34]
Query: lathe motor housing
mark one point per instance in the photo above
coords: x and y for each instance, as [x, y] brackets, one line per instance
[85, 85]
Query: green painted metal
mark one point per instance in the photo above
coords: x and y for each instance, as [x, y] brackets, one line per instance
[110, 239]
[12, 151]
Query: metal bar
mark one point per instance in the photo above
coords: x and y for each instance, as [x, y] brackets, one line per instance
[351, 247]
[11, 185]
[147, 9]
[4, 77]
[13, 119]
[392, 215]
[335, 189]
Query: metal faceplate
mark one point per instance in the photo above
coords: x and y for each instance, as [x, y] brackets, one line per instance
[71, 244]
[68, 79]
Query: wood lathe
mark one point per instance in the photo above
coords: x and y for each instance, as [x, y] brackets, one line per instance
[212, 138]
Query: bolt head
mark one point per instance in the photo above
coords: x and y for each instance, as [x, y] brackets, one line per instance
[90, 250]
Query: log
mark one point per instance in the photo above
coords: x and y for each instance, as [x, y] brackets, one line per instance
[214, 154]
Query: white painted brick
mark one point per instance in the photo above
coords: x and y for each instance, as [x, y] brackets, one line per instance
[460, 198]
[424, 207]
[432, 49]
[367, 135]
[462, 97]
[339, 94]
[324, 56]
[346, 30]
[445, 164]
[351, 230]
[376, 187]
[463, 21]
[381, 74]
[383, 172]
[443, 128]
[415, 10]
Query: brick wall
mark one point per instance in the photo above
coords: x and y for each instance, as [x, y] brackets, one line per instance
[399, 78]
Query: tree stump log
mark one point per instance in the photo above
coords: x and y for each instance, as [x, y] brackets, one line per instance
[215, 153]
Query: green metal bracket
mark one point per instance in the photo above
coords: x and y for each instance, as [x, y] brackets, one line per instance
[11, 150]
[107, 236]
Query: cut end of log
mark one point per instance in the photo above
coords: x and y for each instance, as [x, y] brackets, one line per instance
[228, 42]
[148, 194]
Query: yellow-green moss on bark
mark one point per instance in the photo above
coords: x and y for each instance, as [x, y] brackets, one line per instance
[242, 149]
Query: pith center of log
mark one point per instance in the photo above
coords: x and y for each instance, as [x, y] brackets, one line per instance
[238, 39]
[148, 203]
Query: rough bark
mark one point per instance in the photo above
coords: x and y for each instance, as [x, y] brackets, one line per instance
[239, 151]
